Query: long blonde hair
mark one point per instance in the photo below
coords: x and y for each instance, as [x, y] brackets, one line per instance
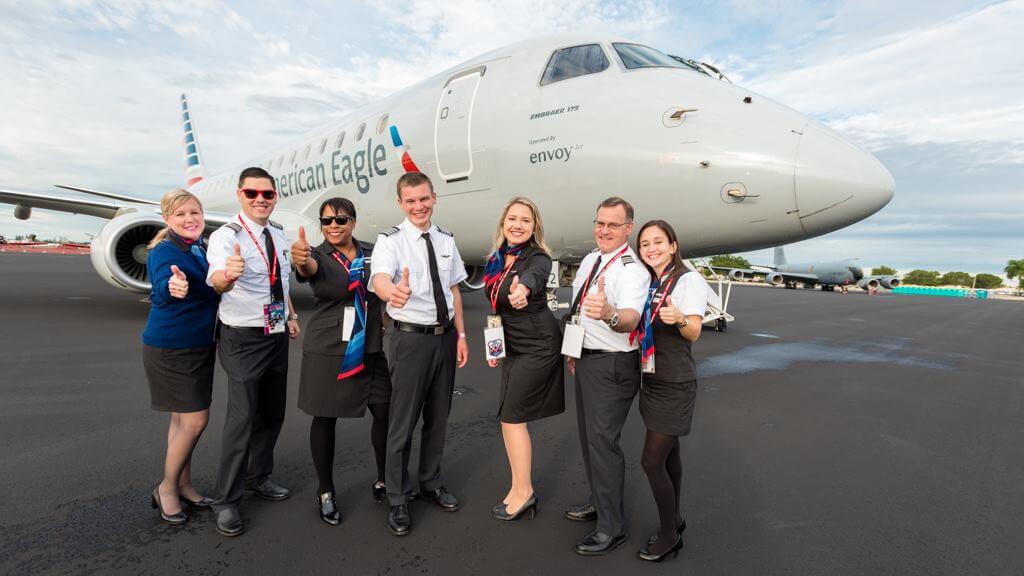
[170, 202]
[538, 225]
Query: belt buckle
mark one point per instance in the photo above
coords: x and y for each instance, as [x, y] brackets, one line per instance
[438, 330]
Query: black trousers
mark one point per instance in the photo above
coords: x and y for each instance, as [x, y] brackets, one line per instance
[257, 369]
[606, 384]
[422, 381]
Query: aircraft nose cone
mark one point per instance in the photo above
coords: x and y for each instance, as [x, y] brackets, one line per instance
[836, 182]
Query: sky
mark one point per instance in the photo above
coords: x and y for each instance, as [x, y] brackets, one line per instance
[934, 89]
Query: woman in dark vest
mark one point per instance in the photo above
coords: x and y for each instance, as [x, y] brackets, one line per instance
[343, 364]
[671, 322]
[178, 346]
[532, 377]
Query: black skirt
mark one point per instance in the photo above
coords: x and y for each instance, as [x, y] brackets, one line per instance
[321, 394]
[667, 407]
[532, 375]
[180, 379]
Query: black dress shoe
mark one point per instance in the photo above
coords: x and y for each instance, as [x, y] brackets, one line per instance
[528, 507]
[379, 491]
[443, 498]
[172, 519]
[598, 543]
[399, 522]
[581, 512]
[645, 553]
[679, 530]
[229, 522]
[267, 490]
[328, 509]
[203, 503]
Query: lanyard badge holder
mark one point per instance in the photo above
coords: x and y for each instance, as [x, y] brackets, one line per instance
[494, 333]
[274, 321]
[572, 340]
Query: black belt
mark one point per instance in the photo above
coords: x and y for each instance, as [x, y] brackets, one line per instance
[421, 329]
[244, 328]
[586, 351]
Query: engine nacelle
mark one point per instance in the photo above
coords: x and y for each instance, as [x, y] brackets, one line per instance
[775, 279]
[120, 249]
[475, 280]
[889, 282]
[22, 212]
[736, 275]
[868, 284]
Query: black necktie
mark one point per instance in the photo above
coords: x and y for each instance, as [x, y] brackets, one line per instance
[435, 282]
[276, 290]
[575, 309]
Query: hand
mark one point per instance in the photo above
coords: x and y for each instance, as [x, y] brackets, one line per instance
[177, 284]
[572, 365]
[493, 362]
[596, 305]
[462, 352]
[670, 315]
[401, 292]
[518, 294]
[234, 266]
[300, 249]
[293, 329]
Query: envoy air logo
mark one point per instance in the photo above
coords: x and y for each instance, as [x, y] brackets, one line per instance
[357, 168]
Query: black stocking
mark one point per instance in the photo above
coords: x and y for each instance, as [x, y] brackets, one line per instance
[321, 444]
[379, 435]
[658, 450]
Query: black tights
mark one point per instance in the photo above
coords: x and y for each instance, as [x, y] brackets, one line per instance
[321, 444]
[664, 469]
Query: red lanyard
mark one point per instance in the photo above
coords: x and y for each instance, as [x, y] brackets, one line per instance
[497, 285]
[340, 261]
[664, 295]
[270, 270]
[586, 287]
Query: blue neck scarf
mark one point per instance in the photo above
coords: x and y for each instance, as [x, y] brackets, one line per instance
[352, 363]
[496, 264]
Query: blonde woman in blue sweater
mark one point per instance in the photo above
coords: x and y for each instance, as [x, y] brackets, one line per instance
[178, 347]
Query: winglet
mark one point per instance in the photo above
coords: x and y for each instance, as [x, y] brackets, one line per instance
[194, 168]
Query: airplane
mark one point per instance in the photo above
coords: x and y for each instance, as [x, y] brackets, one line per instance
[828, 274]
[567, 121]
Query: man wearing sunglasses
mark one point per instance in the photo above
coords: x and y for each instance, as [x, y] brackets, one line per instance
[249, 267]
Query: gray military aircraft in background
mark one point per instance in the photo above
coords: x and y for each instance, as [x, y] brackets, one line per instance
[828, 274]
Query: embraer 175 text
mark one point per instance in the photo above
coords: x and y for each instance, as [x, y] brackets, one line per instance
[566, 121]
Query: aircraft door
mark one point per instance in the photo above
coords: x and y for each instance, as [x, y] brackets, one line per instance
[452, 124]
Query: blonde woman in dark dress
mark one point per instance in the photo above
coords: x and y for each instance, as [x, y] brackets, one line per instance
[532, 380]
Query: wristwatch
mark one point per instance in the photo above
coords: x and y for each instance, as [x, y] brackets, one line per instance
[614, 320]
[293, 317]
[685, 322]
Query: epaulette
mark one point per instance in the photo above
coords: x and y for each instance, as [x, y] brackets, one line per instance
[275, 224]
[233, 226]
[443, 231]
[627, 259]
[390, 231]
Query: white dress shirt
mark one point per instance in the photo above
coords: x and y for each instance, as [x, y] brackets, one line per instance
[243, 305]
[690, 294]
[404, 247]
[626, 283]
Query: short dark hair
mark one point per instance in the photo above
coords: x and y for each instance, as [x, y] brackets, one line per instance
[616, 201]
[339, 205]
[410, 180]
[256, 172]
[670, 233]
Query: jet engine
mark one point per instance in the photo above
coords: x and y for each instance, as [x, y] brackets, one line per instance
[119, 251]
[775, 279]
[475, 280]
[867, 283]
[889, 282]
[736, 275]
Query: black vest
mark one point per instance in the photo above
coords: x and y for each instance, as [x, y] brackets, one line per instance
[673, 359]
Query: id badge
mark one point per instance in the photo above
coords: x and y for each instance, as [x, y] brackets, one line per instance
[348, 321]
[572, 340]
[647, 367]
[273, 317]
[493, 321]
[494, 342]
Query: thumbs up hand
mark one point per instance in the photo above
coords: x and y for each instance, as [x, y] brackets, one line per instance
[177, 284]
[669, 314]
[401, 291]
[518, 294]
[596, 305]
[235, 264]
[300, 249]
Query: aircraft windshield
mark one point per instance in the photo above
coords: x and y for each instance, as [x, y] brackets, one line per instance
[636, 56]
[572, 62]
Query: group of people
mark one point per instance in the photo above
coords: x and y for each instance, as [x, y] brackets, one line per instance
[633, 318]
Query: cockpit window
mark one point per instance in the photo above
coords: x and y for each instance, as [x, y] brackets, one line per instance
[572, 62]
[636, 56]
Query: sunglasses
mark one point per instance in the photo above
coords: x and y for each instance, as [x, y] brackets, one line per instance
[339, 220]
[252, 194]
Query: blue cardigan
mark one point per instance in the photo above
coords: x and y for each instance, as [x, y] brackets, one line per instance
[180, 323]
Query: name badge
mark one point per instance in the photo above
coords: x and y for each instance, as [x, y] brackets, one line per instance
[273, 317]
[647, 367]
[494, 343]
[572, 340]
[348, 321]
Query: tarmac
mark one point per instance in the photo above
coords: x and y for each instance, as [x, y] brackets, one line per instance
[834, 434]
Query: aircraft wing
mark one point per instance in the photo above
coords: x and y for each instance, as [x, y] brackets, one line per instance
[791, 276]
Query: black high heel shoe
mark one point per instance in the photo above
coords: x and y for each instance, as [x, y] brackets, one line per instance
[679, 530]
[328, 509]
[172, 519]
[203, 503]
[379, 491]
[503, 514]
[645, 553]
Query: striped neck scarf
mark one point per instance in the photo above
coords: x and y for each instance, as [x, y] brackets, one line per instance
[496, 264]
[352, 363]
[645, 330]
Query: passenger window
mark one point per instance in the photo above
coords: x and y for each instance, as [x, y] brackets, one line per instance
[292, 159]
[359, 132]
[382, 124]
[305, 155]
[323, 146]
[572, 62]
[341, 139]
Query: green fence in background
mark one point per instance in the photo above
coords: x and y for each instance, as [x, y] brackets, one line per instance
[945, 292]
